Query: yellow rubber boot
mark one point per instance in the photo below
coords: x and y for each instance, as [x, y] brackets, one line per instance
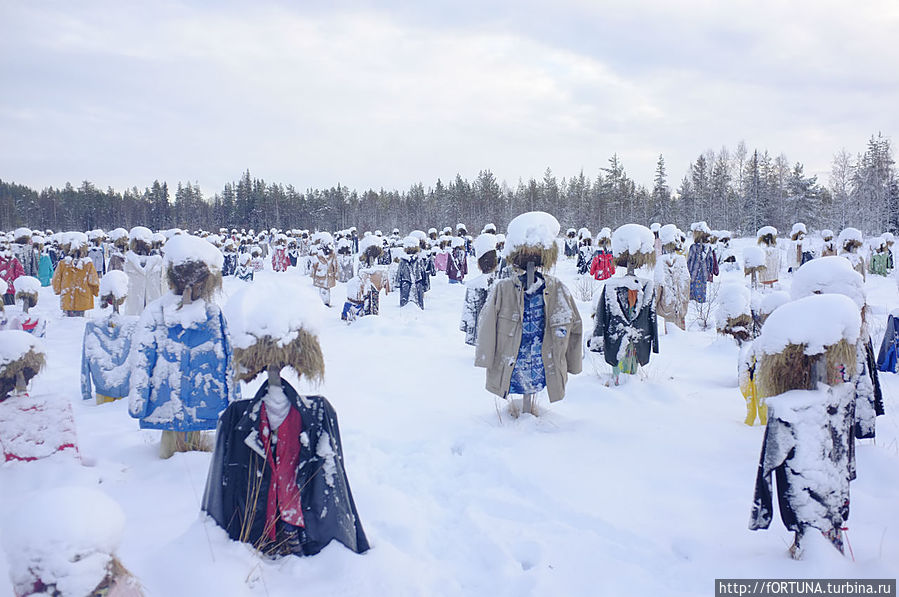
[101, 399]
[763, 412]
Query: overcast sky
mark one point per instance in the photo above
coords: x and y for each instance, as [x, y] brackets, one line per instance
[385, 94]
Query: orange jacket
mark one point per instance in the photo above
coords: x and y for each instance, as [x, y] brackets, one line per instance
[77, 283]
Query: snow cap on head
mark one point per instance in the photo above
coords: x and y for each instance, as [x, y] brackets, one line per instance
[571, 232]
[411, 242]
[419, 234]
[75, 240]
[500, 238]
[185, 248]
[27, 285]
[829, 275]
[850, 237]
[95, 234]
[323, 238]
[142, 234]
[668, 234]
[725, 235]
[701, 226]
[753, 258]
[797, 228]
[65, 538]
[792, 336]
[115, 284]
[636, 242]
[159, 238]
[277, 334]
[655, 227]
[772, 301]
[827, 234]
[532, 236]
[489, 229]
[766, 231]
[584, 233]
[460, 226]
[733, 315]
[888, 237]
[243, 259]
[815, 322]
[117, 234]
[432, 231]
[605, 233]
[21, 234]
[369, 241]
[458, 241]
[484, 243]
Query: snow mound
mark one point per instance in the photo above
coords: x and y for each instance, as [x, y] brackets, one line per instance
[633, 239]
[668, 234]
[817, 321]
[115, 283]
[753, 256]
[252, 313]
[184, 248]
[532, 229]
[484, 243]
[65, 537]
[765, 230]
[14, 344]
[733, 301]
[829, 275]
[141, 233]
[27, 285]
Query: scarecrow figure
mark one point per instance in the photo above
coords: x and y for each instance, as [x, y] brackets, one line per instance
[277, 479]
[625, 329]
[529, 330]
[181, 378]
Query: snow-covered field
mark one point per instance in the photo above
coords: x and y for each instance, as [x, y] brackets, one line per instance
[642, 489]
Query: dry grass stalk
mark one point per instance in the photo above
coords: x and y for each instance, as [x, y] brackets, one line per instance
[303, 354]
[791, 368]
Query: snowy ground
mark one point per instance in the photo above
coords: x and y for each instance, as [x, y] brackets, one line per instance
[644, 489]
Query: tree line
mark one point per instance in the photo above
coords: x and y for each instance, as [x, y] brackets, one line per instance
[737, 189]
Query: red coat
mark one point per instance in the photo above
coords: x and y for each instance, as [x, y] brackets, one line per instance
[10, 269]
[603, 266]
[280, 260]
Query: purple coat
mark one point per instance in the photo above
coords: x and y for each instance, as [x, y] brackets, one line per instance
[457, 264]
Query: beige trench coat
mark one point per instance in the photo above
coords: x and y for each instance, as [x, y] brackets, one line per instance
[499, 335]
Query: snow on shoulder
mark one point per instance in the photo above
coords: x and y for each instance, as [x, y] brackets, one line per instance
[532, 229]
[115, 282]
[274, 308]
[633, 239]
[63, 537]
[184, 248]
[829, 275]
[816, 322]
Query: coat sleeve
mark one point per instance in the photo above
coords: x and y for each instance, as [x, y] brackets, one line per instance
[56, 282]
[777, 444]
[599, 323]
[654, 325]
[231, 384]
[86, 387]
[93, 279]
[575, 354]
[485, 350]
[143, 360]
